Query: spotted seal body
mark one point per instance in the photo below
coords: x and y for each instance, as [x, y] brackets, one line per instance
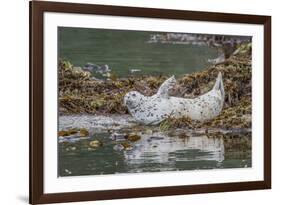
[156, 108]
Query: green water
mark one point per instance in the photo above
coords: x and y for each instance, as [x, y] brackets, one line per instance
[125, 50]
[155, 151]
[148, 157]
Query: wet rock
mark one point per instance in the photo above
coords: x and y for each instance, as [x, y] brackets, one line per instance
[83, 132]
[123, 146]
[127, 145]
[93, 68]
[95, 144]
[118, 136]
[63, 133]
[73, 131]
[133, 137]
[69, 132]
[72, 135]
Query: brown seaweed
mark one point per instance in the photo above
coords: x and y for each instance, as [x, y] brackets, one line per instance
[80, 93]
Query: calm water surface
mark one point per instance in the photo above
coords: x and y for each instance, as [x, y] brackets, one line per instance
[125, 50]
[155, 151]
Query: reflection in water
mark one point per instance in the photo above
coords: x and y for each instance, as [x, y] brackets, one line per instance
[155, 150]
[163, 149]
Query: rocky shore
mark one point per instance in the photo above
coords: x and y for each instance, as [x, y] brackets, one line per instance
[198, 39]
[80, 93]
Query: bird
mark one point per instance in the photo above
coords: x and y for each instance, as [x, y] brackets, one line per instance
[151, 110]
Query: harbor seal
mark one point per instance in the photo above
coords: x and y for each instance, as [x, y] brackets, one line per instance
[151, 110]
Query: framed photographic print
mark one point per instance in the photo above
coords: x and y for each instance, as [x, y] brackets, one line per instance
[138, 102]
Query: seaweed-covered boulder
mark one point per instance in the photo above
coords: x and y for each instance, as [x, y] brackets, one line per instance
[80, 93]
[95, 144]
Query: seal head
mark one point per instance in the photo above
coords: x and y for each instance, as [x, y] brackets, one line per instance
[132, 99]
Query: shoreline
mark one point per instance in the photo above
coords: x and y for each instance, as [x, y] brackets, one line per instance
[79, 93]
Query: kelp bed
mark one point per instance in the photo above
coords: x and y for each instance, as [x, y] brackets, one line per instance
[80, 93]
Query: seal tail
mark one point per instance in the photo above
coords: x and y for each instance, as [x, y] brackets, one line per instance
[219, 84]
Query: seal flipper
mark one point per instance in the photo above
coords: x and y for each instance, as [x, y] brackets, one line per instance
[163, 91]
[219, 85]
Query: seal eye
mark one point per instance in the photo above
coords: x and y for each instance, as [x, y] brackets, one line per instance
[134, 95]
